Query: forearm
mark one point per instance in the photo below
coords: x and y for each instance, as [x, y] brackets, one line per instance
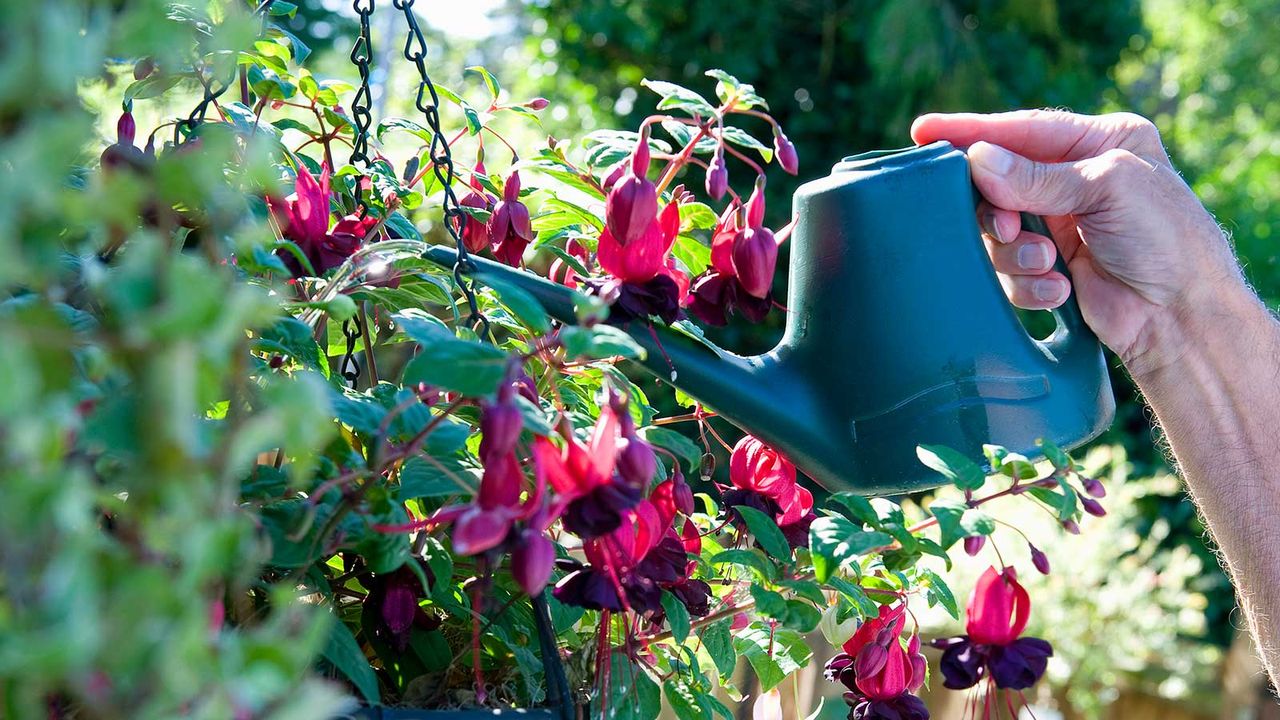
[1212, 377]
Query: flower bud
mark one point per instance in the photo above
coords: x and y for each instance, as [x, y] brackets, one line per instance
[636, 462]
[143, 68]
[511, 189]
[1093, 507]
[755, 205]
[755, 257]
[126, 129]
[682, 494]
[500, 426]
[477, 530]
[411, 168]
[974, 544]
[640, 158]
[532, 561]
[768, 706]
[836, 632]
[717, 177]
[870, 660]
[631, 208]
[538, 103]
[785, 152]
[919, 665]
[1094, 487]
[1071, 526]
[615, 174]
[1039, 559]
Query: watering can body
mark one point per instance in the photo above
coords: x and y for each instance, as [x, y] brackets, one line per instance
[898, 334]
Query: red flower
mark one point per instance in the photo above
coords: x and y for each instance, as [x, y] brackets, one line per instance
[642, 256]
[509, 228]
[998, 608]
[304, 216]
[475, 234]
[633, 200]
[766, 481]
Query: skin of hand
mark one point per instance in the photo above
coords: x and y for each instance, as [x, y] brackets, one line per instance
[1157, 281]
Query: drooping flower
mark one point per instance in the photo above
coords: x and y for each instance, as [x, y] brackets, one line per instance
[585, 478]
[717, 176]
[475, 233]
[785, 152]
[878, 672]
[766, 481]
[644, 255]
[303, 218]
[509, 227]
[632, 203]
[719, 291]
[991, 648]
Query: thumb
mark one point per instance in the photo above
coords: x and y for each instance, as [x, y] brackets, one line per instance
[1012, 182]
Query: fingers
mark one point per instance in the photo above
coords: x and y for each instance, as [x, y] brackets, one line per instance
[1028, 254]
[1036, 292]
[1012, 182]
[1002, 225]
[1045, 135]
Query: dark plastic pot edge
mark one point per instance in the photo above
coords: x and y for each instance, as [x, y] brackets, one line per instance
[380, 713]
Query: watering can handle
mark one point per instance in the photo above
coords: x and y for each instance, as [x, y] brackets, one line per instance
[1072, 329]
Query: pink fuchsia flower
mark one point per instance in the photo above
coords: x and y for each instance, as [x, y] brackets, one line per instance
[765, 480]
[532, 560]
[768, 706]
[632, 203]
[785, 152]
[585, 478]
[303, 217]
[755, 249]
[995, 618]
[475, 233]
[642, 256]
[717, 293]
[878, 672]
[717, 183]
[509, 227]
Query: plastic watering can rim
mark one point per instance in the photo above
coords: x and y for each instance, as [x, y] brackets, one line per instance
[874, 160]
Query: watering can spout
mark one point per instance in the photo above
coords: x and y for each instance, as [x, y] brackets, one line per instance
[734, 385]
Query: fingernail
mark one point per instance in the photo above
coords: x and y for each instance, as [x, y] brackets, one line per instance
[991, 227]
[992, 158]
[1049, 290]
[1033, 256]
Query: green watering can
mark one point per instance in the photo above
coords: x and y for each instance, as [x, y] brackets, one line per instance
[898, 334]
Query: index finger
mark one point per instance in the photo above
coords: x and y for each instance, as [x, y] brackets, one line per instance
[1044, 135]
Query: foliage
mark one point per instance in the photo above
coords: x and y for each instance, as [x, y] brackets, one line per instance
[251, 431]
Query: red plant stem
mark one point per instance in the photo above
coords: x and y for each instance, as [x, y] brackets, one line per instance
[698, 414]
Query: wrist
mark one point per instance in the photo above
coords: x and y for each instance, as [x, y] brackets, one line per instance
[1211, 316]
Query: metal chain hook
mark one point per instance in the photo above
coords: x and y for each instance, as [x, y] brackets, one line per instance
[428, 103]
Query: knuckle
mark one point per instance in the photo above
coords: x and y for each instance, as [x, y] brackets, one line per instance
[1134, 130]
[1119, 166]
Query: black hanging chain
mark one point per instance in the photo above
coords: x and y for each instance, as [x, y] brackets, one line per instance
[350, 366]
[361, 56]
[428, 103]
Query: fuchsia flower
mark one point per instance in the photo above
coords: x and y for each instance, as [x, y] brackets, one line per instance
[744, 257]
[996, 616]
[303, 218]
[879, 673]
[765, 480]
[635, 247]
[785, 152]
[509, 228]
[475, 234]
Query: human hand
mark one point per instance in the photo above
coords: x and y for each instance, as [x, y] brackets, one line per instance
[1142, 251]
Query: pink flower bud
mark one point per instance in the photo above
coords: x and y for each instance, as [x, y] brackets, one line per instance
[631, 208]
[615, 174]
[755, 256]
[532, 561]
[974, 544]
[640, 158]
[126, 129]
[1039, 559]
[511, 189]
[919, 665]
[1093, 507]
[717, 177]
[477, 530]
[500, 426]
[1094, 487]
[538, 103]
[636, 462]
[785, 152]
[755, 205]
[143, 68]
[1071, 526]
[682, 494]
[870, 659]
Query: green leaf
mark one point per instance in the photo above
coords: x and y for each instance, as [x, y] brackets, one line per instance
[766, 531]
[598, 342]
[437, 477]
[676, 97]
[679, 445]
[773, 654]
[490, 81]
[677, 616]
[696, 216]
[977, 522]
[396, 123]
[1056, 455]
[1017, 466]
[741, 137]
[632, 694]
[474, 123]
[802, 616]
[682, 700]
[937, 591]
[769, 602]
[750, 558]
[470, 368]
[960, 470]
[948, 512]
[524, 305]
[344, 653]
[717, 638]
[729, 86]
[834, 540]
[695, 254]
[857, 507]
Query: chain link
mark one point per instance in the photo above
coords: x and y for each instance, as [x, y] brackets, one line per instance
[428, 103]
[350, 366]
[361, 56]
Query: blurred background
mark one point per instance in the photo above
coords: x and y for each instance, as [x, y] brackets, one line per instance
[1143, 620]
